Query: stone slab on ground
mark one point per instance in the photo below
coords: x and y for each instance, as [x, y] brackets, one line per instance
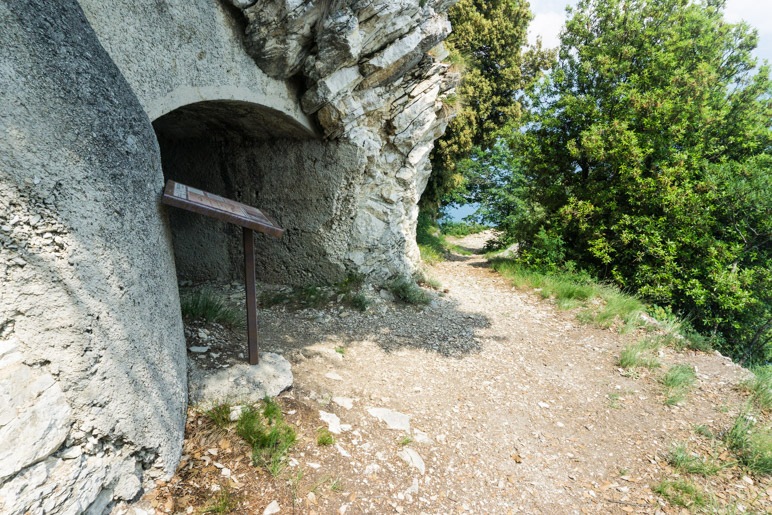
[242, 382]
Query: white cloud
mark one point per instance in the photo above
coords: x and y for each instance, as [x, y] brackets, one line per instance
[549, 17]
[756, 12]
[548, 26]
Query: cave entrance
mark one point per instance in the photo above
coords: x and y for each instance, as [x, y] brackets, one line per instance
[210, 146]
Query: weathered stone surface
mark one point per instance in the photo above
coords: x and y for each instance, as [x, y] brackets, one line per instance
[371, 83]
[34, 414]
[96, 306]
[82, 485]
[242, 382]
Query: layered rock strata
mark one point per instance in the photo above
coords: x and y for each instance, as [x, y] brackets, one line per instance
[374, 79]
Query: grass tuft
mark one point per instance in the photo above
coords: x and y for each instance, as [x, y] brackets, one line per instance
[225, 502]
[752, 445]
[268, 435]
[677, 382]
[691, 463]
[639, 355]
[462, 228]
[405, 440]
[324, 437]
[682, 493]
[603, 305]
[408, 291]
[220, 415]
[206, 306]
[760, 387]
[431, 242]
[348, 292]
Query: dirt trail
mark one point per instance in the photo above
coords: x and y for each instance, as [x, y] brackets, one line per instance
[514, 407]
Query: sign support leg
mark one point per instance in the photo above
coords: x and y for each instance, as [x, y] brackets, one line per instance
[249, 280]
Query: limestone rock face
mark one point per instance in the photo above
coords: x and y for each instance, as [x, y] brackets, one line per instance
[371, 81]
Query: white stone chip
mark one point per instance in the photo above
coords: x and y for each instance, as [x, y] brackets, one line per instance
[272, 508]
[343, 402]
[413, 459]
[333, 422]
[393, 419]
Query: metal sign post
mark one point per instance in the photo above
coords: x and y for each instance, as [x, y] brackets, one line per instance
[249, 218]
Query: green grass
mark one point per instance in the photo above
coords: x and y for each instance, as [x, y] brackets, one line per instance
[220, 415]
[336, 485]
[408, 291]
[603, 305]
[459, 229]
[760, 387]
[206, 306]
[432, 244]
[613, 399]
[430, 240]
[324, 437]
[752, 445]
[639, 355]
[684, 461]
[677, 382]
[703, 430]
[681, 492]
[405, 440]
[225, 502]
[429, 282]
[268, 435]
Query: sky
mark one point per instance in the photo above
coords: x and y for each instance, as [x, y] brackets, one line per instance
[549, 16]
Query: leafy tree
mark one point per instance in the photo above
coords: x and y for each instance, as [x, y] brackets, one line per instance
[648, 153]
[488, 43]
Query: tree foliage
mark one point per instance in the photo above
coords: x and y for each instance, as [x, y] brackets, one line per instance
[648, 160]
[488, 45]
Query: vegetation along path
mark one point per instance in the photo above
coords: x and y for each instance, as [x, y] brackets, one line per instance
[512, 406]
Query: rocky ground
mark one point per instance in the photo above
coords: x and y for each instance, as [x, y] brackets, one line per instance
[488, 400]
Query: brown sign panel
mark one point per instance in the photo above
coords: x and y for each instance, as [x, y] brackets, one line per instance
[209, 204]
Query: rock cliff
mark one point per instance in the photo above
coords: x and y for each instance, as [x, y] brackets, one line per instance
[373, 77]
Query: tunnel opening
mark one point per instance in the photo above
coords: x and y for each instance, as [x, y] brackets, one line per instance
[210, 145]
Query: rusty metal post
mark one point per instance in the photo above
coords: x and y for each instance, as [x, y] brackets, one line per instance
[249, 282]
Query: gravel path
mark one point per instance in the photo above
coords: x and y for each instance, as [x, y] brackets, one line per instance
[513, 407]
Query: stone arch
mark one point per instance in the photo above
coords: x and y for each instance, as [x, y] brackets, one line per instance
[261, 156]
[201, 145]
